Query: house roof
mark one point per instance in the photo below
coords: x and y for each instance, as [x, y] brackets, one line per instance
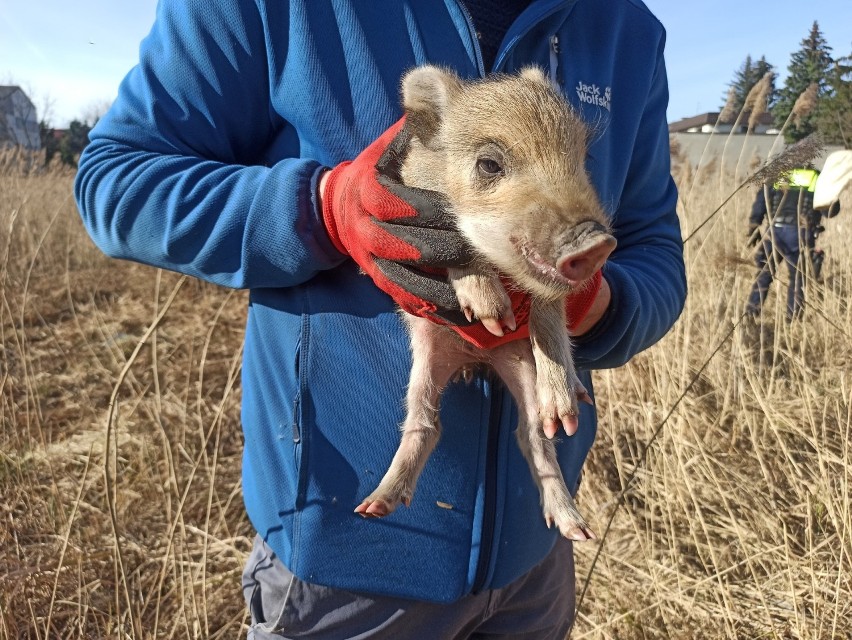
[712, 118]
[7, 90]
[695, 121]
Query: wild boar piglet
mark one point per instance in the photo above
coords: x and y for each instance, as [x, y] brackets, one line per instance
[508, 155]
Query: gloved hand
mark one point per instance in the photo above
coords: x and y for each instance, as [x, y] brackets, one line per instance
[753, 234]
[400, 236]
[577, 306]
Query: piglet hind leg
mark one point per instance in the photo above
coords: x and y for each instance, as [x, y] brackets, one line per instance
[516, 367]
[435, 358]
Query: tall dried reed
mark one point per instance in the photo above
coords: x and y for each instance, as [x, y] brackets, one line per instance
[804, 105]
[729, 111]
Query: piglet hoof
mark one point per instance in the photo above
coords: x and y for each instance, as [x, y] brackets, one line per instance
[378, 507]
[558, 408]
[571, 529]
[578, 533]
[582, 393]
[568, 422]
[374, 509]
[482, 297]
[508, 319]
[499, 327]
[493, 326]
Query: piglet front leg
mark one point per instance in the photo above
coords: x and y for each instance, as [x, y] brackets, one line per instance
[482, 297]
[516, 367]
[557, 383]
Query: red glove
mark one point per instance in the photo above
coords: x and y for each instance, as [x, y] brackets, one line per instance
[577, 306]
[400, 236]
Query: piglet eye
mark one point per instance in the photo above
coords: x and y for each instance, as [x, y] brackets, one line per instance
[489, 167]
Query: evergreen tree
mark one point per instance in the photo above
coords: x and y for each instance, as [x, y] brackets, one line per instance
[834, 114]
[73, 142]
[809, 65]
[748, 75]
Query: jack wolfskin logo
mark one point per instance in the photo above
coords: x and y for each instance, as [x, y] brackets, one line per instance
[592, 94]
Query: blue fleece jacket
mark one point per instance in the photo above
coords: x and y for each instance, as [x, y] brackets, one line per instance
[207, 164]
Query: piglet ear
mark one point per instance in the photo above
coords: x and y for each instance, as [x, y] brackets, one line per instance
[426, 94]
[535, 74]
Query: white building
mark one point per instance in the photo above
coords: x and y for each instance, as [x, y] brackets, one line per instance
[710, 123]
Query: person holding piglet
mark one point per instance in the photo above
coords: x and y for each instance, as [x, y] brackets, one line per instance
[210, 163]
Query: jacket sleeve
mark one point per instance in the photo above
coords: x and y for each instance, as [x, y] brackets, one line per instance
[646, 271]
[174, 174]
[758, 208]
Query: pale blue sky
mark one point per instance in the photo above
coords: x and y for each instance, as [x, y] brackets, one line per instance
[72, 56]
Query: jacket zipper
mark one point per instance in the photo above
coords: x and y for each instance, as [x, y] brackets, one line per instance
[480, 65]
[489, 510]
[490, 487]
[490, 480]
[555, 71]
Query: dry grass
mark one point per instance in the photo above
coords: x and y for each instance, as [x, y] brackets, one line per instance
[168, 563]
[120, 446]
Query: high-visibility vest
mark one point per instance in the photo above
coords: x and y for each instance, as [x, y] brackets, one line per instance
[798, 179]
[784, 204]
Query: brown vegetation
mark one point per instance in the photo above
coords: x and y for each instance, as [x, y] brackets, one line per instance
[724, 455]
[167, 564]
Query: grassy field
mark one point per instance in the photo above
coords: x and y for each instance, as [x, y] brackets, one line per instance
[721, 475]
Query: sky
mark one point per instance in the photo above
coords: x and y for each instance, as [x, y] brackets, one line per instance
[71, 57]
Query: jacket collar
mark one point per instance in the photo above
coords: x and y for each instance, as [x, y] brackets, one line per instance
[537, 12]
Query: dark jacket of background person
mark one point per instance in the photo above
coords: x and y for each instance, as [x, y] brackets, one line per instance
[789, 198]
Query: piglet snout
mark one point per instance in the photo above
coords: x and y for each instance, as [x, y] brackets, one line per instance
[586, 251]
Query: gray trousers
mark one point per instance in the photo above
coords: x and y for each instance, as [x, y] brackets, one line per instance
[537, 606]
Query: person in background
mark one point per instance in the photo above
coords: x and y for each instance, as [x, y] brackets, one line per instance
[209, 163]
[794, 226]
